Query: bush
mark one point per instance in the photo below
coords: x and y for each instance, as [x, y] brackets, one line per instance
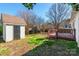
[34, 30]
[1, 29]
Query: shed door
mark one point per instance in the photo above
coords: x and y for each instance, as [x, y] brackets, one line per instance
[16, 32]
[8, 32]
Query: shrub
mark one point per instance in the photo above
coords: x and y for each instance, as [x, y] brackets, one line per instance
[34, 30]
[1, 29]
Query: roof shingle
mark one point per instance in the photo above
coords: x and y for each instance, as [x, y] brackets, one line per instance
[8, 19]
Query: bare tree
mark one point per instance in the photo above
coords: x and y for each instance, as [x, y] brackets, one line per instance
[25, 16]
[39, 22]
[58, 13]
[31, 19]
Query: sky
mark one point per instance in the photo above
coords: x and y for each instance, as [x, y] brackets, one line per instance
[13, 8]
[40, 9]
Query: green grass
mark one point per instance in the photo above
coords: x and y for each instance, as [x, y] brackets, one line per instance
[46, 46]
[66, 43]
[36, 40]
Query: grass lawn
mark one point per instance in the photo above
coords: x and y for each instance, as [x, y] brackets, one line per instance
[52, 47]
[38, 45]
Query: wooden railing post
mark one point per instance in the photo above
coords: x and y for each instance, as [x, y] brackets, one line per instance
[74, 34]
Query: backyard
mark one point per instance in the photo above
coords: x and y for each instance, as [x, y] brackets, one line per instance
[39, 45]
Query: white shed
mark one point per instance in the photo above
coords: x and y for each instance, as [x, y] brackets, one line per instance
[13, 27]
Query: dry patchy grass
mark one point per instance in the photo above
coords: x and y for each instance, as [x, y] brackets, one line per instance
[17, 47]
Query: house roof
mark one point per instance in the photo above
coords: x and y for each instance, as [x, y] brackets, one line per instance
[9, 19]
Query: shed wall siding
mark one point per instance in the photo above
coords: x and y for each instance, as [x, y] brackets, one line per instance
[22, 32]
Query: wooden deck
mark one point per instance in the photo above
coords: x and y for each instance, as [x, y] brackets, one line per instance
[63, 33]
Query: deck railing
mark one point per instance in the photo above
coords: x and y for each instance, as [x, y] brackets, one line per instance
[64, 33]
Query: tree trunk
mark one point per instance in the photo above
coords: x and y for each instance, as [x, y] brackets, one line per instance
[56, 33]
[57, 27]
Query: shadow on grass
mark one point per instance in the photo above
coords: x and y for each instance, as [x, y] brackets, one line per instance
[55, 48]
